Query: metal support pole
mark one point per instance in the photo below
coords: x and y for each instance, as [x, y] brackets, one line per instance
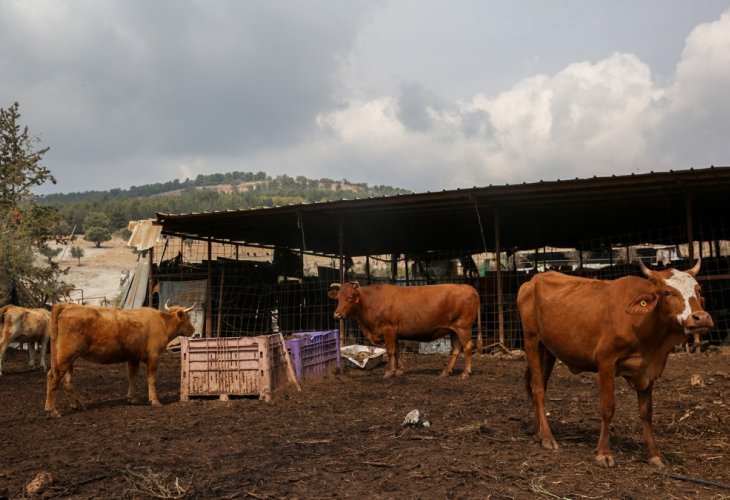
[690, 233]
[209, 293]
[342, 274]
[500, 295]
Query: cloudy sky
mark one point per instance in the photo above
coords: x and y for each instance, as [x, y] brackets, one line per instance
[420, 94]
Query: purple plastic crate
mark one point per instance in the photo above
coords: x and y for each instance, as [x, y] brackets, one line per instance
[315, 354]
[294, 347]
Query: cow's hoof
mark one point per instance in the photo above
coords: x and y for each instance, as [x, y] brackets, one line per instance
[388, 374]
[399, 373]
[53, 413]
[465, 375]
[444, 374]
[657, 462]
[549, 443]
[155, 403]
[605, 460]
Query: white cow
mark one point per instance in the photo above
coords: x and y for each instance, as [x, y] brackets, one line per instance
[20, 324]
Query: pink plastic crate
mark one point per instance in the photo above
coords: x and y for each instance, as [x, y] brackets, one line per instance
[314, 354]
[233, 366]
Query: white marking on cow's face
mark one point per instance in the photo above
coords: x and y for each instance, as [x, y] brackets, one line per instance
[685, 285]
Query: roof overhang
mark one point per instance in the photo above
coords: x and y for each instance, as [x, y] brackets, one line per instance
[529, 215]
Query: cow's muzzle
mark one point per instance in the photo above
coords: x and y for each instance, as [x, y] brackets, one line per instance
[698, 322]
[337, 315]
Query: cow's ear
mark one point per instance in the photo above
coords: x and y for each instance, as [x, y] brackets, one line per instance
[332, 294]
[642, 304]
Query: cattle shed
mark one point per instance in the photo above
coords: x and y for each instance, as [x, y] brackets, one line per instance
[268, 269]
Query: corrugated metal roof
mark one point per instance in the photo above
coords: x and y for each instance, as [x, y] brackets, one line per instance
[560, 213]
[145, 233]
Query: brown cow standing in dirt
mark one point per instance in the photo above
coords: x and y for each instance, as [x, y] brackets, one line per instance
[420, 313]
[105, 335]
[625, 327]
[20, 324]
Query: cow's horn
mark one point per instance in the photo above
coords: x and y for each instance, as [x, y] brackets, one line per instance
[188, 309]
[644, 269]
[167, 307]
[355, 284]
[696, 268]
[335, 285]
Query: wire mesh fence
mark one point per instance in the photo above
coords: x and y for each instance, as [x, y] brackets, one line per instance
[254, 291]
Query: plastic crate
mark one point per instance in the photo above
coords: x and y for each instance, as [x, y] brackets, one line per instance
[233, 366]
[314, 354]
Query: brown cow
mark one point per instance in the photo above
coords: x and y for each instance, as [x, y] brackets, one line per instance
[20, 324]
[105, 335]
[420, 313]
[625, 327]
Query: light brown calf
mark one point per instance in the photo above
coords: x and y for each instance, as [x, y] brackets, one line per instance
[105, 335]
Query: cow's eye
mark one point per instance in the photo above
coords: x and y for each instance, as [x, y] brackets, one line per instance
[666, 293]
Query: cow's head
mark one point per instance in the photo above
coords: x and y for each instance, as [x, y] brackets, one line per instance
[347, 296]
[677, 296]
[183, 324]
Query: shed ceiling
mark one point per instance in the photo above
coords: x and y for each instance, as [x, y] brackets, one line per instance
[528, 215]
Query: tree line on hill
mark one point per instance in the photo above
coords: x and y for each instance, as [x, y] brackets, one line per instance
[230, 191]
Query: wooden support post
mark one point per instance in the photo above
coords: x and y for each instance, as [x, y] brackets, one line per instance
[393, 267]
[151, 278]
[219, 319]
[209, 293]
[691, 247]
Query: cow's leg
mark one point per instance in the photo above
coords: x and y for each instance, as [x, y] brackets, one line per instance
[44, 348]
[536, 384]
[398, 360]
[52, 381]
[645, 412]
[32, 346]
[547, 363]
[467, 345]
[61, 373]
[132, 371]
[455, 351]
[391, 347]
[4, 342]
[73, 398]
[607, 404]
[152, 380]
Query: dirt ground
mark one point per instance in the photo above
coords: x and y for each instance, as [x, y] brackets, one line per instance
[342, 436]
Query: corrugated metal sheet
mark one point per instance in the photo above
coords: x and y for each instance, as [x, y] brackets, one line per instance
[145, 233]
[137, 286]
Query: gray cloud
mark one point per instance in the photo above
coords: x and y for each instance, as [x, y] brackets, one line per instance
[423, 95]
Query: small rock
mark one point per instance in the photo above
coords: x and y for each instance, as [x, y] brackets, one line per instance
[412, 418]
[42, 481]
[696, 380]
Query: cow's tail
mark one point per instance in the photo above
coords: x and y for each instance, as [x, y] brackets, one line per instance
[55, 312]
